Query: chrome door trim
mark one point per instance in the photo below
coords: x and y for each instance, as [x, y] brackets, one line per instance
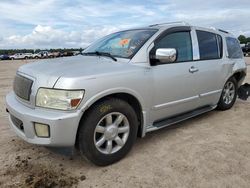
[211, 93]
[165, 105]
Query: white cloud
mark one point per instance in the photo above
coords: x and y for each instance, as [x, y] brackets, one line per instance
[76, 23]
[47, 37]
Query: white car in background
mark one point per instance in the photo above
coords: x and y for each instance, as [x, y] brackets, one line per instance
[21, 56]
[42, 54]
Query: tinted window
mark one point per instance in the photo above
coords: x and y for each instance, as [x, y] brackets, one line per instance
[208, 45]
[233, 48]
[181, 41]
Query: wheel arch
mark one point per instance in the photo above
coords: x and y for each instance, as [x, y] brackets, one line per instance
[239, 76]
[130, 98]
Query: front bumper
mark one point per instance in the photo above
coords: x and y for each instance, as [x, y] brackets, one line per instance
[63, 125]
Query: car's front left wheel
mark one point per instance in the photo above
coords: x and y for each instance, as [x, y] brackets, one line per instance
[107, 131]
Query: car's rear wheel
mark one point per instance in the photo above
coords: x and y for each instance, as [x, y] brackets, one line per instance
[228, 95]
[107, 132]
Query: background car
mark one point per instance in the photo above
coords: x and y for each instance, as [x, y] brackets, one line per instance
[246, 49]
[4, 57]
[39, 55]
[21, 56]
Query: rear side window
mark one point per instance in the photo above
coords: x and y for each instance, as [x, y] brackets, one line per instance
[233, 48]
[181, 41]
[208, 45]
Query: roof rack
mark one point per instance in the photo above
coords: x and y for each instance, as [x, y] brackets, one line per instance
[169, 23]
[223, 31]
[219, 30]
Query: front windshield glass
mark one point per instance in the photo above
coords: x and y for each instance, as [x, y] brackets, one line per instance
[122, 44]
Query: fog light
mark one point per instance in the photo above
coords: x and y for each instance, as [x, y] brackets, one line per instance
[42, 130]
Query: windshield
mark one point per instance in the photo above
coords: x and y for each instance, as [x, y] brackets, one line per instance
[123, 44]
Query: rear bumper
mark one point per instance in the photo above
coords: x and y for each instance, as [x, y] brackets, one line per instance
[63, 125]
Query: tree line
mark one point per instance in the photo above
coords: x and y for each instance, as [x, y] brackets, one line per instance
[243, 39]
[61, 50]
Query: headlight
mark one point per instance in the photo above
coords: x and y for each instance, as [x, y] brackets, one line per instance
[59, 99]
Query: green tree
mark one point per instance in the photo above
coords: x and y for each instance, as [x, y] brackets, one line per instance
[242, 39]
[248, 40]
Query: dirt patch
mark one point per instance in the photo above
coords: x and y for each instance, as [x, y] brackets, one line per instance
[39, 175]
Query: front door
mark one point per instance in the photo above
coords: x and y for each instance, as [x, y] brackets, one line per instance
[174, 83]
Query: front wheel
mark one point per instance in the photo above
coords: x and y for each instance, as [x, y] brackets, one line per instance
[107, 132]
[229, 95]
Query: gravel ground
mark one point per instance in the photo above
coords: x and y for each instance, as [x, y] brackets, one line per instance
[212, 150]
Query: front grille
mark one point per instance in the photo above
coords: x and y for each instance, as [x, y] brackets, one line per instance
[17, 122]
[22, 87]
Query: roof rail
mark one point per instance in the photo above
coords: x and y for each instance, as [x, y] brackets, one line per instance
[219, 30]
[169, 23]
[223, 31]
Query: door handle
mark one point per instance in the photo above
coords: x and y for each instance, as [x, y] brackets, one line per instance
[193, 69]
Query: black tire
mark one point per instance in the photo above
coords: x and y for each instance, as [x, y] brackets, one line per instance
[222, 105]
[86, 131]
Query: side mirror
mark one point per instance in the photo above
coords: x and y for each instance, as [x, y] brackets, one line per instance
[166, 55]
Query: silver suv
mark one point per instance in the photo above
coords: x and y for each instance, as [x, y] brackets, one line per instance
[125, 85]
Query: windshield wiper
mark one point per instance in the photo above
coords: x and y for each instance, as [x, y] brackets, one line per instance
[106, 54]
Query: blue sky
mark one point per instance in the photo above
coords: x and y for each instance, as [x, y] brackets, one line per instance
[75, 23]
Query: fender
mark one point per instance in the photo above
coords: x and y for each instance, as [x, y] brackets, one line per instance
[87, 104]
[107, 92]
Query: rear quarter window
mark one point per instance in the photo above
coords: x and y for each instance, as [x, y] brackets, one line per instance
[233, 48]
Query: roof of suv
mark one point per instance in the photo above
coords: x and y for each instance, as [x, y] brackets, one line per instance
[163, 26]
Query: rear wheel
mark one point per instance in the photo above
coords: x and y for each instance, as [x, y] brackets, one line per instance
[108, 132]
[229, 95]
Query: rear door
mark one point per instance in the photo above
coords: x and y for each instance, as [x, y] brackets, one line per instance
[210, 66]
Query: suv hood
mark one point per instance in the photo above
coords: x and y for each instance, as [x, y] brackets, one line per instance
[48, 71]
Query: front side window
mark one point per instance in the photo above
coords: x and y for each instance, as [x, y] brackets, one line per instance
[181, 41]
[233, 48]
[124, 44]
[208, 46]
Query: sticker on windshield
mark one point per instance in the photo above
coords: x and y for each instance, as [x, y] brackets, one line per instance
[124, 42]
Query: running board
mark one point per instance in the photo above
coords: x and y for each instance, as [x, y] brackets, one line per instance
[176, 119]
